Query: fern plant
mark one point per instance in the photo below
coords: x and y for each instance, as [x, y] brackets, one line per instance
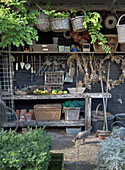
[111, 154]
[91, 21]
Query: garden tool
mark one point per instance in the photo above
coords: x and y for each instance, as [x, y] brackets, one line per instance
[27, 65]
[31, 64]
[17, 64]
[22, 64]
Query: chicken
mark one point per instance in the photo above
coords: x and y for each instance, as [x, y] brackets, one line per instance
[83, 135]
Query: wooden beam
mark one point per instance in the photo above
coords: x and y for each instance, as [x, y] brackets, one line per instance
[33, 123]
[63, 96]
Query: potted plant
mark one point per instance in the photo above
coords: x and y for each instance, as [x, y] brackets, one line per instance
[59, 19]
[77, 20]
[91, 21]
[15, 24]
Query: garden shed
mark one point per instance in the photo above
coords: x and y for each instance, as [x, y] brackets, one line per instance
[67, 66]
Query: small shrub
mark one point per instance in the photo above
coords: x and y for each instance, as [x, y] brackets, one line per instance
[30, 150]
[111, 154]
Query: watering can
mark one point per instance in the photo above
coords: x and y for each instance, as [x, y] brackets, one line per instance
[118, 130]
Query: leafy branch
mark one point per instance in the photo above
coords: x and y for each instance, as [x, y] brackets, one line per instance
[91, 21]
[15, 23]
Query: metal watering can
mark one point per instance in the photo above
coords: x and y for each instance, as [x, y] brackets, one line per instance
[118, 130]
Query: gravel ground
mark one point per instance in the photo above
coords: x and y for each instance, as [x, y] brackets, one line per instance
[76, 156]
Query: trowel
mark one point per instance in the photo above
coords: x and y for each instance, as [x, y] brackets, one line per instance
[27, 65]
[22, 64]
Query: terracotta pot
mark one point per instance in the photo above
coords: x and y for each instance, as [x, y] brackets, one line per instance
[28, 116]
[18, 112]
[22, 111]
[32, 112]
[103, 136]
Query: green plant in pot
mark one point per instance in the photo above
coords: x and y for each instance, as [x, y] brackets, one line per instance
[59, 19]
[91, 21]
[77, 20]
[15, 23]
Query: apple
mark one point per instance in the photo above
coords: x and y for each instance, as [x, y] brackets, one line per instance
[54, 92]
[65, 92]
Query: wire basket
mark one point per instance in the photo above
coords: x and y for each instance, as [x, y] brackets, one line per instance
[60, 25]
[71, 113]
[44, 23]
[56, 77]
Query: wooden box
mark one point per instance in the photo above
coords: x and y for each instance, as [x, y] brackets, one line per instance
[45, 47]
[47, 112]
[112, 42]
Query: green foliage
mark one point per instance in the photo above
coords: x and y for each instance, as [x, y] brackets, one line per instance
[54, 13]
[91, 21]
[111, 154]
[30, 150]
[15, 23]
[74, 13]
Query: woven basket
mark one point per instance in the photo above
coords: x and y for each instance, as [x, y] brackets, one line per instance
[77, 23]
[112, 42]
[121, 31]
[44, 23]
[47, 112]
[98, 114]
[60, 25]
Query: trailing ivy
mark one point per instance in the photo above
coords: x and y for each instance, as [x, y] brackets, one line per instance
[30, 150]
[91, 21]
[15, 21]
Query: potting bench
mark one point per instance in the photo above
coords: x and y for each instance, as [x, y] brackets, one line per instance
[62, 123]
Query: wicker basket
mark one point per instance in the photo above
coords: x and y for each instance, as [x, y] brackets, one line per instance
[44, 23]
[60, 25]
[98, 114]
[71, 113]
[47, 112]
[77, 24]
[121, 31]
[112, 42]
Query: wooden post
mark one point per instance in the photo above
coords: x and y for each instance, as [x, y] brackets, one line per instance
[88, 102]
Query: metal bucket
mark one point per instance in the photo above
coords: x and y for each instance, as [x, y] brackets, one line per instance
[118, 130]
[120, 117]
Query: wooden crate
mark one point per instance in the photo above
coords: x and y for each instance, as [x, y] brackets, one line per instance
[47, 112]
[112, 42]
[71, 113]
[45, 47]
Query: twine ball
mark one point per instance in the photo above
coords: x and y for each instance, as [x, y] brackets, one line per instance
[110, 22]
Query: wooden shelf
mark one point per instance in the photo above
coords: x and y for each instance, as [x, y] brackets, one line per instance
[33, 123]
[63, 96]
[57, 52]
[40, 52]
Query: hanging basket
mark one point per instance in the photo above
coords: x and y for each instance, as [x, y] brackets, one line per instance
[121, 31]
[98, 114]
[60, 25]
[44, 23]
[77, 23]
